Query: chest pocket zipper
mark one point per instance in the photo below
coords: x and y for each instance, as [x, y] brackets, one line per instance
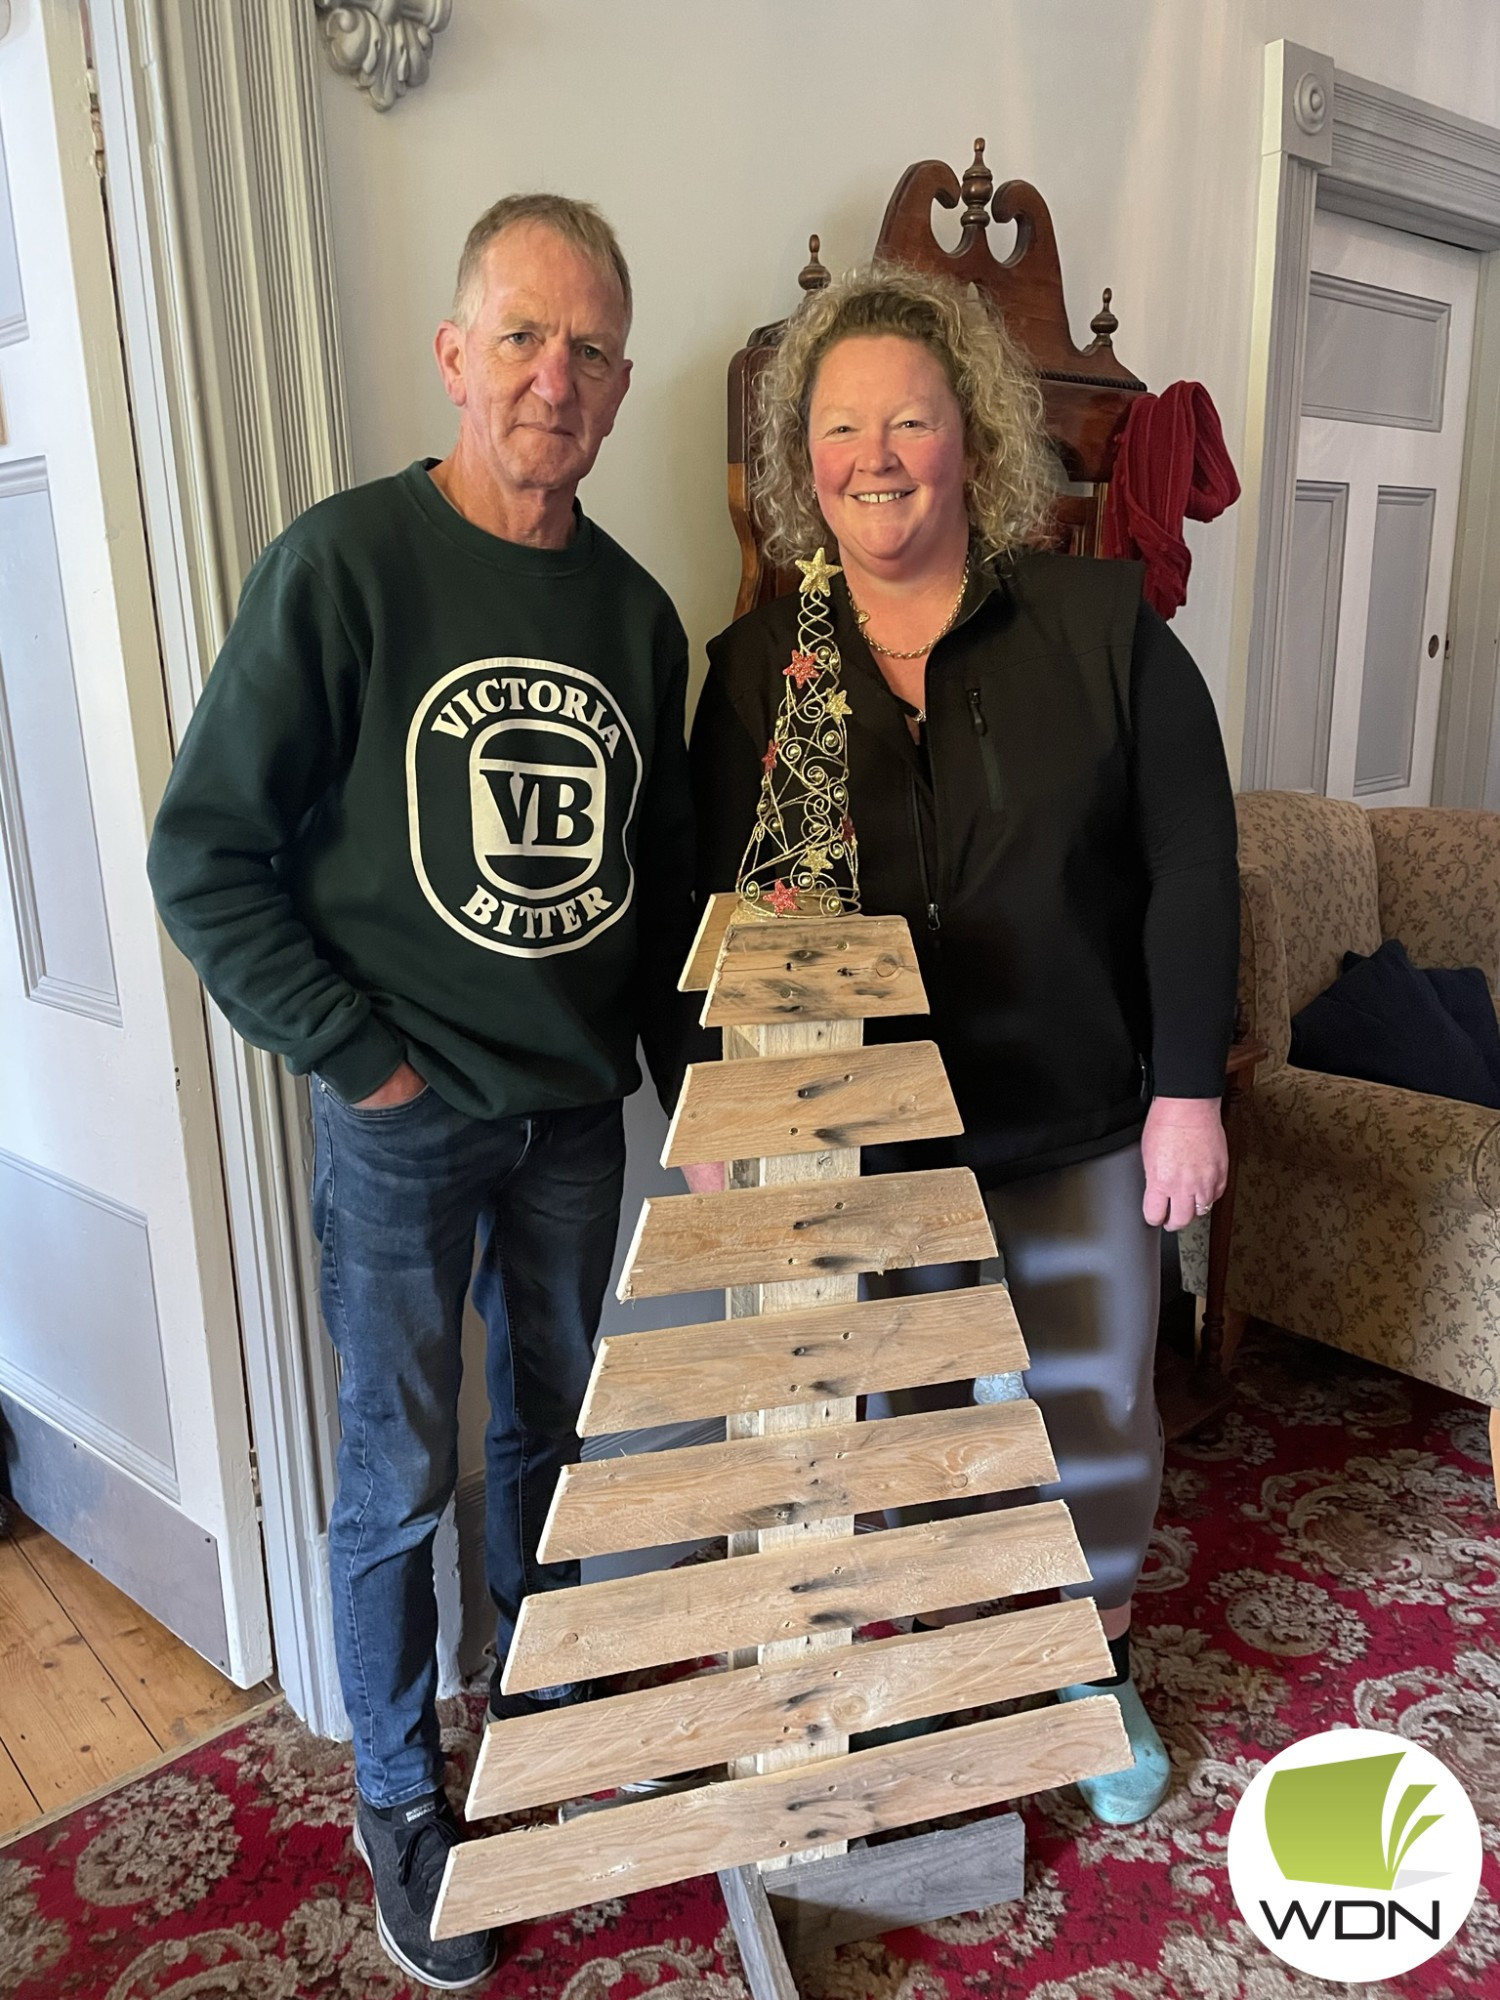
[987, 753]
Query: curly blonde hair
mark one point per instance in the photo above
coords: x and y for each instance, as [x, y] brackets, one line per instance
[1013, 482]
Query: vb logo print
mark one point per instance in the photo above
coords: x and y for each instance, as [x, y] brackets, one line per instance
[521, 779]
[1354, 1855]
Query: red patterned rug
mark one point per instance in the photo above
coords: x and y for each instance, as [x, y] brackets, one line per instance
[1331, 1555]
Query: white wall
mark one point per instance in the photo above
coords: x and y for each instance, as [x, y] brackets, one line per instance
[716, 136]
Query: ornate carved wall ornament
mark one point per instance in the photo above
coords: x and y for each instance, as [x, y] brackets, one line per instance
[384, 45]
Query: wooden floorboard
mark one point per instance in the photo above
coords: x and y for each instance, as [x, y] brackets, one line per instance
[174, 1691]
[66, 1724]
[92, 1689]
[18, 1803]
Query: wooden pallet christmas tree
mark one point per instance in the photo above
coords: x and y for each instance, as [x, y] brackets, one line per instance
[794, 1098]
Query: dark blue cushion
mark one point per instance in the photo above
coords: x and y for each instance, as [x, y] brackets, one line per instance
[1383, 1021]
[1464, 994]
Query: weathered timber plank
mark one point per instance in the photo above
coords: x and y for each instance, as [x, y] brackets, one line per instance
[808, 1586]
[806, 1229]
[538, 1871]
[718, 913]
[762, 1953]
[657, 1732]
[758, 1044]
[645, 1500]
[819, 1905]
[803, 1104]
[815, 969]
[718, 1367]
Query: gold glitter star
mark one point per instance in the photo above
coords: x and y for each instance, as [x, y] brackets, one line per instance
[816, 859]
[816, 575]
[837, 705]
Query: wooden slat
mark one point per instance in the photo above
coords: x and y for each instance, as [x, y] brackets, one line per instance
[647, 1499]
[18, 1806]
[704, 956]
[819, 1905]
[762, 1954]
[66, 1725]
[754, 1045]
[539, 1871]
[178, 1696]
[673, 1374]
[808, 1229]
[803, 1104]
[656, 1732]
[809, 1586]
[815, 969]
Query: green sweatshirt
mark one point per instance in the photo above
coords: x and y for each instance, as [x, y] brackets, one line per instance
[433, 804]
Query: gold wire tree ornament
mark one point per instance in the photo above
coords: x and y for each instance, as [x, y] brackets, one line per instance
[802, 858]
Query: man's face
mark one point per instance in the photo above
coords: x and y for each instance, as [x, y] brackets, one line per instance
[539, 371]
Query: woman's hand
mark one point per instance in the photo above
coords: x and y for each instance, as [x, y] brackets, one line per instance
[707, 1179]
[1185, 1157]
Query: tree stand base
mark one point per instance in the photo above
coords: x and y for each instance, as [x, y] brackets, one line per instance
[785, 1915]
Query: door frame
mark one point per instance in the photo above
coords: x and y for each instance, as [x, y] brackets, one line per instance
[216, 189]
[1340, 143]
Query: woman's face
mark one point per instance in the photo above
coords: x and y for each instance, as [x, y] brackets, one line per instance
[886, 437]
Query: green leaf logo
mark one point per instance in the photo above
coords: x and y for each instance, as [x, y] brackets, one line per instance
[1326, 1822]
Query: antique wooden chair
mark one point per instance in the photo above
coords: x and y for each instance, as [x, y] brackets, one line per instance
[1087, 391]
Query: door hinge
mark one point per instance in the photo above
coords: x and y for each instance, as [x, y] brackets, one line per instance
[255, 1492]
[96, 119]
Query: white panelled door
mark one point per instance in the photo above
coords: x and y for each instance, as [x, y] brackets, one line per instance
[1390, 329]
[121, 1377]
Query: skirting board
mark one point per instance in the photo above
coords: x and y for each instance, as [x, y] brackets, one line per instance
[789, 1914]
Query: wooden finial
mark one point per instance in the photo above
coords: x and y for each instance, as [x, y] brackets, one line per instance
[977, 187]
[814, 274]
[1104, 323]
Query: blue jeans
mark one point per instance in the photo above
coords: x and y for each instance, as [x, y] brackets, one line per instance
[398, 1197]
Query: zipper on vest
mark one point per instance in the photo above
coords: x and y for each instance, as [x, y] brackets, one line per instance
[987, 755]
[934, 915]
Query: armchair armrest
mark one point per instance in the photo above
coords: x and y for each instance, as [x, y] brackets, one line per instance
[1434, 1147]
[1264, 1004]
[1439, 876]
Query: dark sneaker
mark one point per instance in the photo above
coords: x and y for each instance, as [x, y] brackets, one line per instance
[406, 1850]
[541, 1701]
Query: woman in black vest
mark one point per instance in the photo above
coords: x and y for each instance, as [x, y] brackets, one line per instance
[1038, 786]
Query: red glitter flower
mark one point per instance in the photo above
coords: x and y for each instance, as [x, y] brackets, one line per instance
[783, 899]
[804, 668]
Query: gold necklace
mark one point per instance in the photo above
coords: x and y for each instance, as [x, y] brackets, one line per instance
[917, 652]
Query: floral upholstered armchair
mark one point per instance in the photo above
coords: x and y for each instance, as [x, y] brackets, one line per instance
[1366, 1217]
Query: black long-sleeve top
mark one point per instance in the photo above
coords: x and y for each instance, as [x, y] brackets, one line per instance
[1061, 842]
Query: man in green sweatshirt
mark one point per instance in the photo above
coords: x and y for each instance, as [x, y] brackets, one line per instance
[428, 838]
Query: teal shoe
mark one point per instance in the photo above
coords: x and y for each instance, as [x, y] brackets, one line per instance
[1123, 1798]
